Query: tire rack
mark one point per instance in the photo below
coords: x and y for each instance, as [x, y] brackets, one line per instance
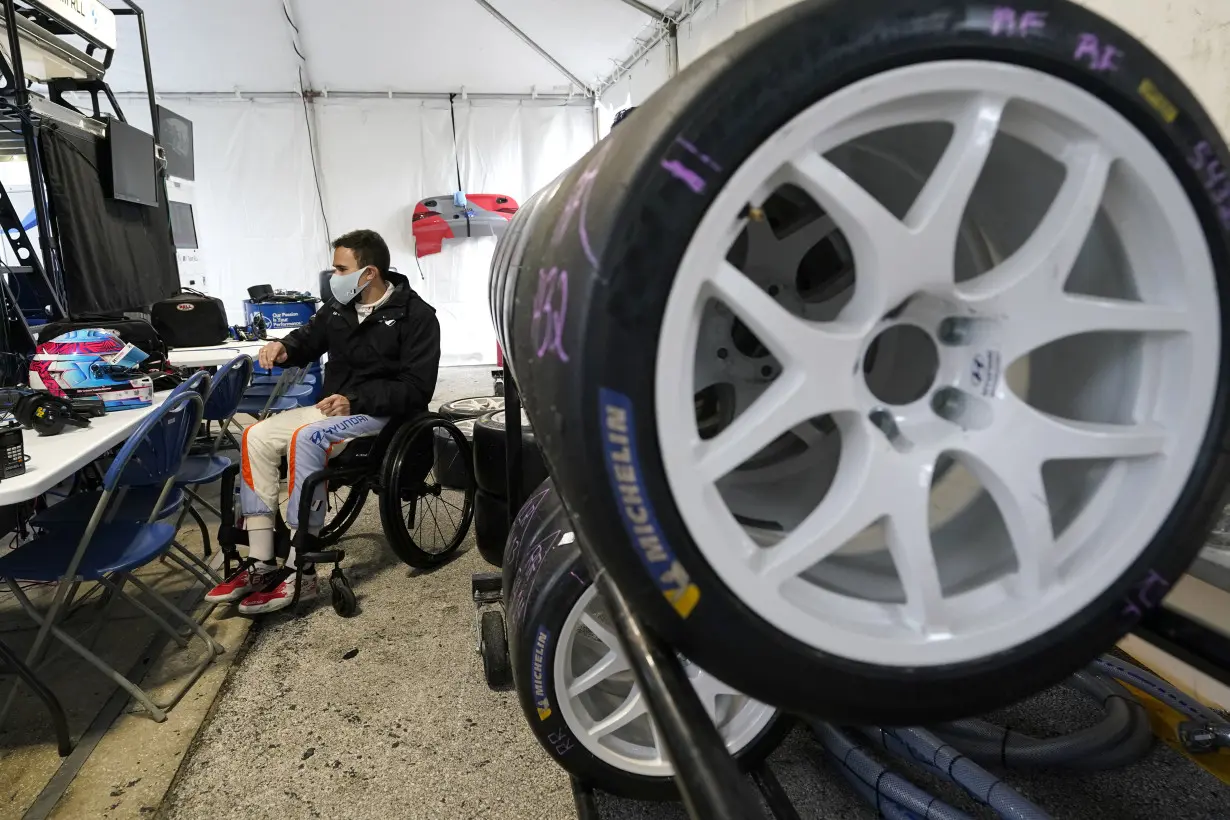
[708, 779]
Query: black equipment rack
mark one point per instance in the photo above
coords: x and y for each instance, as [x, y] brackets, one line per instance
[35, 287]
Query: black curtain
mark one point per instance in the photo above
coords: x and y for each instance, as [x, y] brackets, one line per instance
[118, 256]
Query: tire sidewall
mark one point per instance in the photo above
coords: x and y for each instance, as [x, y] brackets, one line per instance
[555, 576]
[642, 219]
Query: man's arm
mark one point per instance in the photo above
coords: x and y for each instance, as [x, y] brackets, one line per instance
[416, 378]
[307, 344]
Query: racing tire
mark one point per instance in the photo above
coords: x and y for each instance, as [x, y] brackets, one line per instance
[490, 527]
[471, 408]
[491, 455]
[452, 464]
[620, 256]
[554, 596]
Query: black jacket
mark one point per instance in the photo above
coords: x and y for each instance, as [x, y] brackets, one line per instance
[386, 365]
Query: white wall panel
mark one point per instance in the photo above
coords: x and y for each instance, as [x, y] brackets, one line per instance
[258, 218]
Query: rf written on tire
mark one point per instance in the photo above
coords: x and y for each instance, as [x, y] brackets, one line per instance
[889, 335]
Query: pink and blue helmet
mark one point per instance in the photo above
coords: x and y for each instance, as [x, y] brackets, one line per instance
[92, 362]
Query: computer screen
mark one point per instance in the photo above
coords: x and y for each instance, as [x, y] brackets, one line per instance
[134, 175]
[176, 135]
[183, 226]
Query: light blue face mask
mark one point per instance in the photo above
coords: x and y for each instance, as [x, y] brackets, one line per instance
[345, 286]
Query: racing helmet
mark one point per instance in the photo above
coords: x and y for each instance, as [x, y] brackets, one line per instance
[93, 362]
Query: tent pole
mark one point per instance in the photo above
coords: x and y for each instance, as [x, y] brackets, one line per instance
[542, 52]
[648, 10]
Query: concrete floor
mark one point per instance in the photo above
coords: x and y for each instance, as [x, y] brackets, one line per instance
[387, 715]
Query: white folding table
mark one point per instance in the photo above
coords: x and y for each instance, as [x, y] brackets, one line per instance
[51, 459]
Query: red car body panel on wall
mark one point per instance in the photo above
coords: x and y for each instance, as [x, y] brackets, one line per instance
[439, 219]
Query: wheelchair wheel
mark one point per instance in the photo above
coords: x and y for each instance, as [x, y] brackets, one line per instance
[345, 504]
[344, 602]
[424, 521]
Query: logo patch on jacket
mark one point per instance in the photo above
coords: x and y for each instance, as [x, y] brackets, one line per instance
[390, 322]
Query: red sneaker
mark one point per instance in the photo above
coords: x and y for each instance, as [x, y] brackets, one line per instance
[238, 586]
[279, 595]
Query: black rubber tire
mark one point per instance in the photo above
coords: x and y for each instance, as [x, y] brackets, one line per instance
[634, 217]
[453, 467]
[549, 578]
[493, 648]
[524, 527]
[491, 455]
[344, 601]
[407, 473]
[490, 527]
[458, 409]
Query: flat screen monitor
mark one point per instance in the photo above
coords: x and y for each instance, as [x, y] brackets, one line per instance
[134, 174]
[183, 226]
[176, 135]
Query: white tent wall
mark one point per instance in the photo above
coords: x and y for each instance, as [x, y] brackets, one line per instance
[1193, 36]
[380, 156]
[257, 213]
[259, 217]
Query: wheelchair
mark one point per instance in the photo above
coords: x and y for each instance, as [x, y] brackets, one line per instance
[423, 520]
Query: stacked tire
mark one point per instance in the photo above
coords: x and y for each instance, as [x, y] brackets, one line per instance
[562, 647]
[750, 379]
[491, 502]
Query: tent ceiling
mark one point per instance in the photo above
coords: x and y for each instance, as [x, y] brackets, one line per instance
[376, 45]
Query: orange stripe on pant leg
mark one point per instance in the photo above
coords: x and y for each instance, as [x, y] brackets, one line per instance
[245, 461]
[290, 457]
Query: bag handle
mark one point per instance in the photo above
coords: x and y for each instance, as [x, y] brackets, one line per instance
[193, 291]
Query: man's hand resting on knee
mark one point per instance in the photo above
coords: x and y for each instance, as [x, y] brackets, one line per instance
[335, 405]
[271, 354]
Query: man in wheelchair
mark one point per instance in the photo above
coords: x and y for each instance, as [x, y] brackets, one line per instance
[383, 342]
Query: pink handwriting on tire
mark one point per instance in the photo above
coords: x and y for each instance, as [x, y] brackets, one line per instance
[577, 207]
[1008, 22]
[550, 313]
[1214, 177]
[1145, 597]
[1097, 55]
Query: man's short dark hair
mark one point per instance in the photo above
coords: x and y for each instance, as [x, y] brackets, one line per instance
[368, 248]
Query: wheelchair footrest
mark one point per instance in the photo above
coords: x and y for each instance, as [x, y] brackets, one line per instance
[326, 557]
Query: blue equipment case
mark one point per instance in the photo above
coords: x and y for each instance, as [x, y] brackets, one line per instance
[279, 315]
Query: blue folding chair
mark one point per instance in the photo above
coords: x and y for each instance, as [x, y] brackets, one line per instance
[223, 402]
[262, 406]
[108, 548]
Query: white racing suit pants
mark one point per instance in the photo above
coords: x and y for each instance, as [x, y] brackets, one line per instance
[308, 438]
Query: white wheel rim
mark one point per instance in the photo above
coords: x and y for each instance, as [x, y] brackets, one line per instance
[923, 617]
[501, 420]
[602, 704]
[480, 405]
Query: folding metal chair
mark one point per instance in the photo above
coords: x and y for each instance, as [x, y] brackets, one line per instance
[109, 547]
[262, 406]
[221, 405]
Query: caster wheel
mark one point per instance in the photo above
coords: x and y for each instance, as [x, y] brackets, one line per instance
[344, 602]
[494, 650]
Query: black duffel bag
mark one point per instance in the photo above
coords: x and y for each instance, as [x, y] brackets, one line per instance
[137, 332]
[190, 319]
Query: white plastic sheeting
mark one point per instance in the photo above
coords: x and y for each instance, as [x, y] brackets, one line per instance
[259, 219]
[257, 215]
